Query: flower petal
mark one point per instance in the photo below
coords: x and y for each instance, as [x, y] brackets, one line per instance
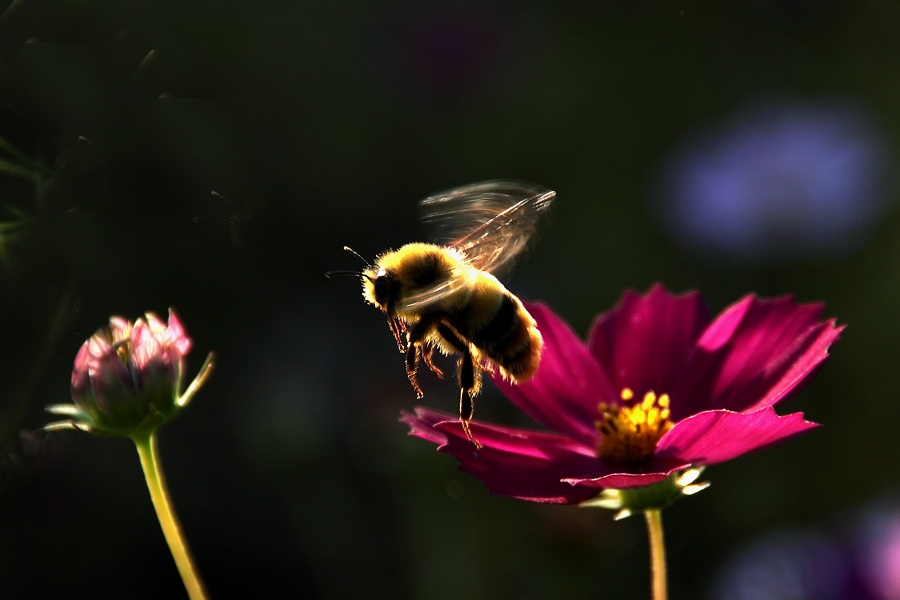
[645, 341]
[655, 472]
[754, 354]
[718, 435]
[145, 347]
[788, 373]
[522, 464]
[569, 384]
[111, 382]
[119, 329]
[80, 374]
[176, 339]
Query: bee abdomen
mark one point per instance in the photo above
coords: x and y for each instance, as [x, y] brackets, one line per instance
[506, 334]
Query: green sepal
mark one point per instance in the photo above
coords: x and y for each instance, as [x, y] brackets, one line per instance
[628, 501]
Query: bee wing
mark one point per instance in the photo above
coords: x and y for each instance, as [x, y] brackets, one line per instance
[491, 223]
[421, 300]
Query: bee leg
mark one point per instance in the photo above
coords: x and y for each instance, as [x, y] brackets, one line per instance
[413, 340]
[426, 355]
[469, 373]
[395, 329]
[466, 400]
[412, 364]
[467, 376]
[468, 379]
[452, 339]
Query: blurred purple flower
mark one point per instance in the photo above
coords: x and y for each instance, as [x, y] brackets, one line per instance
[877, 551]
[782, 180]
[856, 562]
[788, 565]
[717, 383]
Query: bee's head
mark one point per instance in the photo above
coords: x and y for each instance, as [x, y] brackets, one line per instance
[381, 288]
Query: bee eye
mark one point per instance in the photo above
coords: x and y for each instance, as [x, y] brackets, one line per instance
[385, 288]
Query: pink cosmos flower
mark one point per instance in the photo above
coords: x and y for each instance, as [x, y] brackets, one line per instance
[657, 388]
[127, 377]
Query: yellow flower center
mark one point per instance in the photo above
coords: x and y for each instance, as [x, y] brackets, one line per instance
[630, 432]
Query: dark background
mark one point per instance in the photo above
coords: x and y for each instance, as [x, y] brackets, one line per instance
[321, 124]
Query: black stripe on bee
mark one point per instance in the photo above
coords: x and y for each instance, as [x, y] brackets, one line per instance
[500, 330]
[427, 271]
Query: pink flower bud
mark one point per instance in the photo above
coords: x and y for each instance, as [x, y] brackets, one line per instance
[127, 377]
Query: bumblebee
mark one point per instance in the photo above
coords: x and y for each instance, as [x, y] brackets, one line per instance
[446, 295]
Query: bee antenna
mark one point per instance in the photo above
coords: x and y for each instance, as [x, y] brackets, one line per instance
[355, 273]
[357, 255]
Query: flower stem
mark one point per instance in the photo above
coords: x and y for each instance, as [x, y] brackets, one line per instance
[146, 447]
[657, 553]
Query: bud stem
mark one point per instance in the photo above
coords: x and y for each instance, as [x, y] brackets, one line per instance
[146, 447]
[657, 553]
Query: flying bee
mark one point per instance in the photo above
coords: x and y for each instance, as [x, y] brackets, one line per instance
[446, 295]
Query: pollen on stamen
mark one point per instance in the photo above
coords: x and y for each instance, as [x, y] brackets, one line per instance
[630, 433]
